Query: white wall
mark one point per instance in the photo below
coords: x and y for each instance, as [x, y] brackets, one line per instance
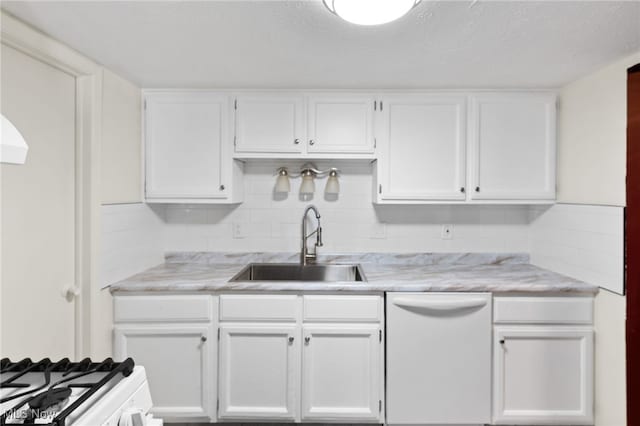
[120, 157]
[591, 170]
[120, 148]
[350, 224]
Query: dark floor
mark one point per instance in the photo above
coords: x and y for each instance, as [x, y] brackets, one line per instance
[261, 424]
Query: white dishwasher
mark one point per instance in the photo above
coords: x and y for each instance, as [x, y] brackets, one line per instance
[438, 358]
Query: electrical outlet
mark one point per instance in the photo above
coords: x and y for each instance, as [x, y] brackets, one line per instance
[239, 230]
[447, 232]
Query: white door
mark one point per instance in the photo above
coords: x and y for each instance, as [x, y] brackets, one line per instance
[180, 364]
[438, 358]
[185, 138]
[38, 211]
[259, 371]
[269, 124]
[543, 375]
[422, 148]
[342, 372]
[340, 124]
[513, 146]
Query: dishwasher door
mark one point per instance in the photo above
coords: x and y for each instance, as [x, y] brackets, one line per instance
[438, 358]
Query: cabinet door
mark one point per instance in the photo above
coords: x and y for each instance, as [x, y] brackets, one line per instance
[342, 372]
[185, 137]
[543, 375]
[422, 148]
[269, 124]
[259, 371]
[180, 365]
[340, 124]
[513, 146]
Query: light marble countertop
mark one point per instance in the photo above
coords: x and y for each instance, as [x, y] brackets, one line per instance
[422, 272]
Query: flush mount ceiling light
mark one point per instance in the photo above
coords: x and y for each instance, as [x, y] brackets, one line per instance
[370, 12]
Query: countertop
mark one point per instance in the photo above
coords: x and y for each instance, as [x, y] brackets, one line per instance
[421, 272]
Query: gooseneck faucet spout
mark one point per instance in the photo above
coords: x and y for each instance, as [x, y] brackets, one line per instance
[305, 256]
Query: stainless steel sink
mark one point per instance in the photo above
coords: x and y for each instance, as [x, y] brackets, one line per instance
[297, 272]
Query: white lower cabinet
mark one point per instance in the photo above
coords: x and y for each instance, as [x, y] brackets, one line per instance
[321, 358]
[294, 358]
[179, 361]
[543, 360]
[543, 375]
[342, 372]
[174, 338]
[259, 371]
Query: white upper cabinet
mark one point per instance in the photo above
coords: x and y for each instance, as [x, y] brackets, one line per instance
[340, 123]
[512, 144]
[421, 148]
[294, 125]
[269, 123]
[187, 149]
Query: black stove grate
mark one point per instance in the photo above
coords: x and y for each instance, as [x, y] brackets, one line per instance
[70, 371]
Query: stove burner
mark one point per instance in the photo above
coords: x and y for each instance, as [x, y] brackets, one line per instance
[46, 396]
[49, 398]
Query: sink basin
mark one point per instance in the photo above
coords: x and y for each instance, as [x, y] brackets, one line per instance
[297, 272]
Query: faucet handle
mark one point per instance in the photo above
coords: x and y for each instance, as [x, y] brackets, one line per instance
[319, 237]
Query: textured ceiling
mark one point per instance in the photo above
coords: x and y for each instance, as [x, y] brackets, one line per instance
[300, 44]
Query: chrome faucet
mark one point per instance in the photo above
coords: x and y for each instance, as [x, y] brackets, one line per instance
[305, 256]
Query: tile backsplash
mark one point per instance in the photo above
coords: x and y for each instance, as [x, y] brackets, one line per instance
[131, 241]
[351, 223]
[584, 242]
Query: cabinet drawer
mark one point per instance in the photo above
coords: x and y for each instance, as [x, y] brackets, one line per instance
[543, 310]
[259, 307]
[187, 308]
[341, 308]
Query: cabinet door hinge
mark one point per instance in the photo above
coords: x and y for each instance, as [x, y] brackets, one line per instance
[375, 143]
[380, 189]
[375, 106]
[380, 105]
[145, 104]
[379, 406]
[235, 104]
[234, 140]
[218, 404]
[218, 333]
[380, 335]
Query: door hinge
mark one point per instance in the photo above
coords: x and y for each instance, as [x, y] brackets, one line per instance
[218, 333]
[380, 105]
[234, 140]
[379, 406]
[218, 404]
[380, 189]
[375, 143]
[375, 106]
[380, 335]
[235, 104]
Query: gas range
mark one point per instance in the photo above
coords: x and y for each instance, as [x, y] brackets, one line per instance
[66, 393]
